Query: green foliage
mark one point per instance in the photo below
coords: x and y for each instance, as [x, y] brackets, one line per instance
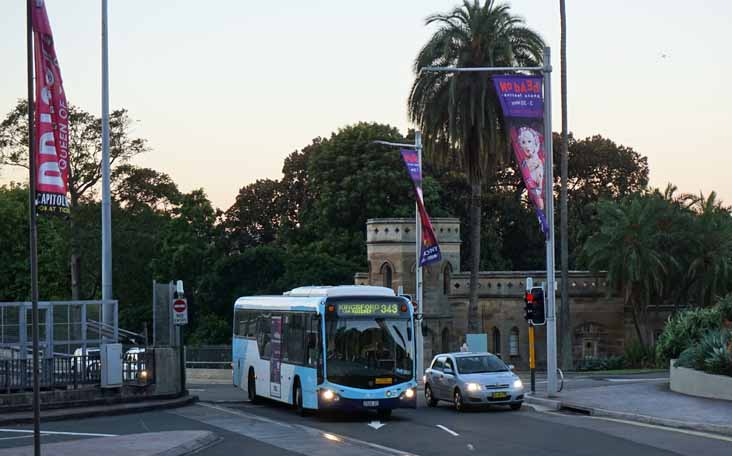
[725, 307]
[711, 354]
[684, 330]
[637, 356]
[594, 364]
[210, 329]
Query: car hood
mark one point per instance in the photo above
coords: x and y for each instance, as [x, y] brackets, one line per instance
[489, 378]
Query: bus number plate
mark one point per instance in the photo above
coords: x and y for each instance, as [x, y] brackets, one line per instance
[370, 403]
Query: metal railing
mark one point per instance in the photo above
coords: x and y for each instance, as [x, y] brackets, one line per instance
[16, 375]
[208, 357]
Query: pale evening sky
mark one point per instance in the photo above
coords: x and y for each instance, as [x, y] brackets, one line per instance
[224, 90]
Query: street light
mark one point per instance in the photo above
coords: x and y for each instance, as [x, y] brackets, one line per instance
[417, 239]
[551, 335]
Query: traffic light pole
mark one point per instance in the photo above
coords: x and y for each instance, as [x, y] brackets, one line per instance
[532, 358]
[551, 322]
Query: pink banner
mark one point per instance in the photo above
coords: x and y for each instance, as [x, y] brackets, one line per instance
[51, 120]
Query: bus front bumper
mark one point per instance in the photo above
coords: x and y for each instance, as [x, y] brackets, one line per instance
[338, 402]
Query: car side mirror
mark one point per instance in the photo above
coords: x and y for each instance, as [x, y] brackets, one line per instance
[511, 367]
[449, 371]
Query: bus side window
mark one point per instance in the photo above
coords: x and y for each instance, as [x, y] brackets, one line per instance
[312, 342]
[264, 336]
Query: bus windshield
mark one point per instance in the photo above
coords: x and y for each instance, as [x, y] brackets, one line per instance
[369, 352]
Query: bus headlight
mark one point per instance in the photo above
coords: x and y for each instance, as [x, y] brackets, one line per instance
[143, 375]
[472, 387]
[518, 384]
[328, 395]
[409, 393]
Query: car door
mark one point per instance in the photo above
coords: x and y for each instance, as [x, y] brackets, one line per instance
[436, 377]
[449, 379]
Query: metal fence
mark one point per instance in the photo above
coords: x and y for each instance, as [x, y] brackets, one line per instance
[68, 372]
[208, 357]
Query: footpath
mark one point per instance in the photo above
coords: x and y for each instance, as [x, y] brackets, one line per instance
[643, 401]
[174, 443]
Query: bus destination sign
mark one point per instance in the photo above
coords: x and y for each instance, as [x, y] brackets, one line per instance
[368, 309]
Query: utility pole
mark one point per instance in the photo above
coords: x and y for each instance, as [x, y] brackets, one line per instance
[565, 322]
[107, 307]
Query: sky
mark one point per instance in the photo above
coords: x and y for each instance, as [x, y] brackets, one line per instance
[223, 91]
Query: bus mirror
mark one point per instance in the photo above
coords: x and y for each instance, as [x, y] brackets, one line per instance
[409, 333]
[311, 341]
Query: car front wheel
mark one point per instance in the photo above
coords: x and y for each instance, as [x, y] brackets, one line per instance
[429, 397]
[458, 400]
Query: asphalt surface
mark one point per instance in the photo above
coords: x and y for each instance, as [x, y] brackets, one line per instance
[274, 429]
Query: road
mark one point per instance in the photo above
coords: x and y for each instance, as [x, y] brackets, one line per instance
[274, 429]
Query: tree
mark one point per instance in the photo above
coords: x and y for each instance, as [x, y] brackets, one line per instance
[627, 246]
[255, 217]
[460, 113]
[85, 171]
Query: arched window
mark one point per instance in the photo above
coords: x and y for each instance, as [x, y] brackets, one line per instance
[513, 342]
[446, 274]
[445, 340]
[386, 275]
[496, 341]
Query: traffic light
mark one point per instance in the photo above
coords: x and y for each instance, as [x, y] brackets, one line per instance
[538, 294]
[534, 306]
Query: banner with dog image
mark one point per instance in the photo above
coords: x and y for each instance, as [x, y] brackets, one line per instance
[523, 110]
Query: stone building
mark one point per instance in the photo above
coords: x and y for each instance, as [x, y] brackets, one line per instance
[600, 325]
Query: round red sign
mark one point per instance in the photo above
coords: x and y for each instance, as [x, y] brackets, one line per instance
[179, 305]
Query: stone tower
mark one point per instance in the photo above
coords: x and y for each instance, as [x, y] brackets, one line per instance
[392, 259]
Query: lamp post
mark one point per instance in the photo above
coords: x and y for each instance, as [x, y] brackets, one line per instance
[546, 70]
[417, 239]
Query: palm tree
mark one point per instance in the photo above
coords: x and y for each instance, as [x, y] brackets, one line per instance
[627, 246]
[459, 113]
[710, 269]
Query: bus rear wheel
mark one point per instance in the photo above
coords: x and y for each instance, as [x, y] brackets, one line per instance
[252, 388]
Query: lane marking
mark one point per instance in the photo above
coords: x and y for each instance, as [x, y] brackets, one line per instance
[196, 390]
[666, 428]
[310, 430]
[637, 379]
[18, 437]
[449, 431]
[80, 434]
[377, 424]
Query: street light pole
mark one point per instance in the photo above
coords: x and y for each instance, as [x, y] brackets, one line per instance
[546, 70]
[107, 308]
[418, 286]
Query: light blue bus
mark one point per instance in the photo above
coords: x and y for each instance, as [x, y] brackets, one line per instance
[345, 347]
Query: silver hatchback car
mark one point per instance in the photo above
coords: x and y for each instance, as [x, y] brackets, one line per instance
[472, 379]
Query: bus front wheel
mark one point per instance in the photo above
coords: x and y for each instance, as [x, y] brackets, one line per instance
[297, 400]
[252, 387]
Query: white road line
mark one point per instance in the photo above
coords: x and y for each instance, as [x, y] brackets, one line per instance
[196, 390]
[19, 437]
[637, 379]
[666, 428]
[80, 434]
[311, 430]
[449, 431]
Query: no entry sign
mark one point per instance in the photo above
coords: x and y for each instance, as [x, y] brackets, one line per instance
[180, 311]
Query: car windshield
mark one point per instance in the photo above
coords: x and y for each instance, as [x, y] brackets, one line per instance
[480, 363]
[369, 352]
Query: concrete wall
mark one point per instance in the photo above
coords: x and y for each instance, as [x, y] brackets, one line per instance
[698, 383]
[167, 371]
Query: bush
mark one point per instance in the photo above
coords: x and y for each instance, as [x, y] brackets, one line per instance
[712, 354]
[594, 364]
[725, 307]
[639, 357]
[685, 329]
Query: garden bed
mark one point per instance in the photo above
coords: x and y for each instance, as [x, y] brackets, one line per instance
[697, 383]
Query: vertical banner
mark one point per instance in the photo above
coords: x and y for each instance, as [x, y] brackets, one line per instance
[430, 249]
[51, 147]
[275, 377]
[523, 110]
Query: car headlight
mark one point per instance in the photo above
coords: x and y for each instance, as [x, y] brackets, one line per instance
[518, 384]
[472, 386]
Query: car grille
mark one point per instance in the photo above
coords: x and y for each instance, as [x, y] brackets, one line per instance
[496, 386]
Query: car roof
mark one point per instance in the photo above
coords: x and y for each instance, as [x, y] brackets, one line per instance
[462, 354]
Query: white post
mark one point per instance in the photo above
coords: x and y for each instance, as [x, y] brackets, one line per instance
[551, 323]
[418, 268]
[107, 310]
